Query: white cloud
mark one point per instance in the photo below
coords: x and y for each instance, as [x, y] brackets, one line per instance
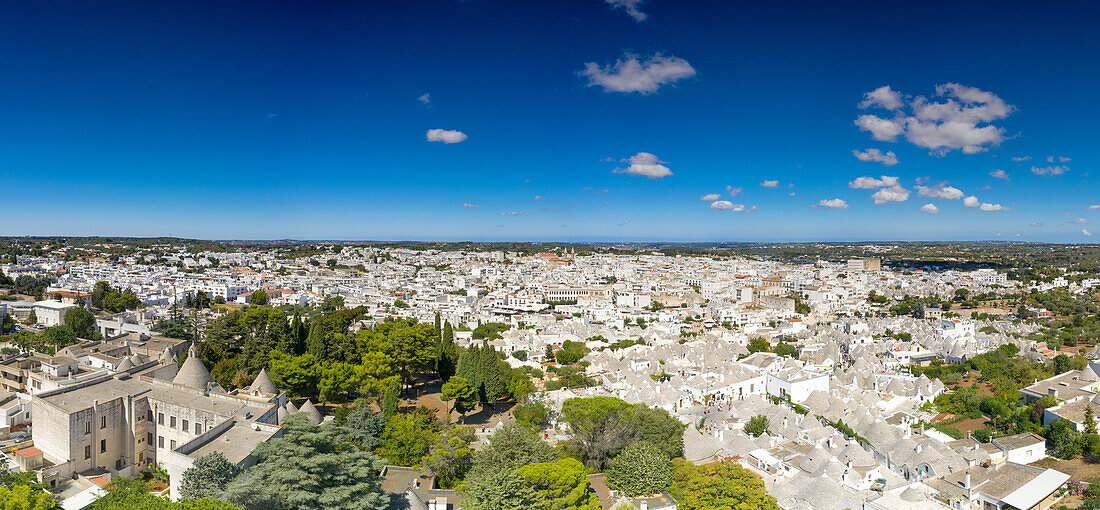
[727, 205]
[629, 74]
[733, 191]
[883, 130]
[883, 97]
[941, 190]
[710, 197]
[1049, 170]
[1086, 232]
[1080, 221]
[835, 203]
[891, 194]
[993, 207]
[930, 208]
[540, 197]
[1036, 224]
[887, 158]
[631, 8]
[999, 174]
[961, 120]
[511, 213]
[872, 183]
[1021, 158]
[445, 136]
[1093, 207]
[770, 184]
[646, 165]
[985, 188]
[971, 201]
[471, 206]
[426, 98]
[1061, 159]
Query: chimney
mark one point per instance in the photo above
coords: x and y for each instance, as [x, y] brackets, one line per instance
[645, 505]
[1052, 392]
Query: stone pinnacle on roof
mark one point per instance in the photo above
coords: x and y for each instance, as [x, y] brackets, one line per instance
[263, 384]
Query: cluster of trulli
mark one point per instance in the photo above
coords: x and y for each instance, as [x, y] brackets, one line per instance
[193, 373]
[797, 454]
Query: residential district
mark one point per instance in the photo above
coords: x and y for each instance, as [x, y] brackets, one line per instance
[619, 378]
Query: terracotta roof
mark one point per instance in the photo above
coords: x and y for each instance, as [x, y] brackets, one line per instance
[27, 453]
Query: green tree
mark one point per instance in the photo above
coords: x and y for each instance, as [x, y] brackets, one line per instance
[409, 345]
[757, 425]
[721, 486]
[207, 477]
[492, 385]
[570, 352]
[458, 389]
[640, 468]
[759, 345]
[391, 401]
[560, 485]
[259, 297]
[310, 468]
[447, 353]
[25, 497]
[81, 321]
[496, 490]
[451, 456]
[365, 426]
[408, 438]
[298, 375]
[469, 366]
[534, 415]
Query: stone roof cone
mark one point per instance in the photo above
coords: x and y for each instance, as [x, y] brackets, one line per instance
[311, 412]
[263, 384]
[193, 373]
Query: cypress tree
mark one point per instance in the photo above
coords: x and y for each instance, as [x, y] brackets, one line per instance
[390, 403]
[298, 334]
[447, 358]
[469, 366]
[491, 386]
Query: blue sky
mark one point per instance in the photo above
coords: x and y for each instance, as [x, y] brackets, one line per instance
[588, 119]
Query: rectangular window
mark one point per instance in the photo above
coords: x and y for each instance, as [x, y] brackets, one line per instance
[87, 452]
[172, 422]
[198, 429]
[103, 422]
[141, 457]
[87, 428]
[160, 418]
[160, 441]
[102, 446]
[150, 415]
[185, 426]
[150, 438]
[173, 445]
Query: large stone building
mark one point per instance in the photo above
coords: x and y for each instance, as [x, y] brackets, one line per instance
[143, 412]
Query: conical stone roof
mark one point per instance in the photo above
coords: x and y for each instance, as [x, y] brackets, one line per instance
[263, 384]
[193, 373]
